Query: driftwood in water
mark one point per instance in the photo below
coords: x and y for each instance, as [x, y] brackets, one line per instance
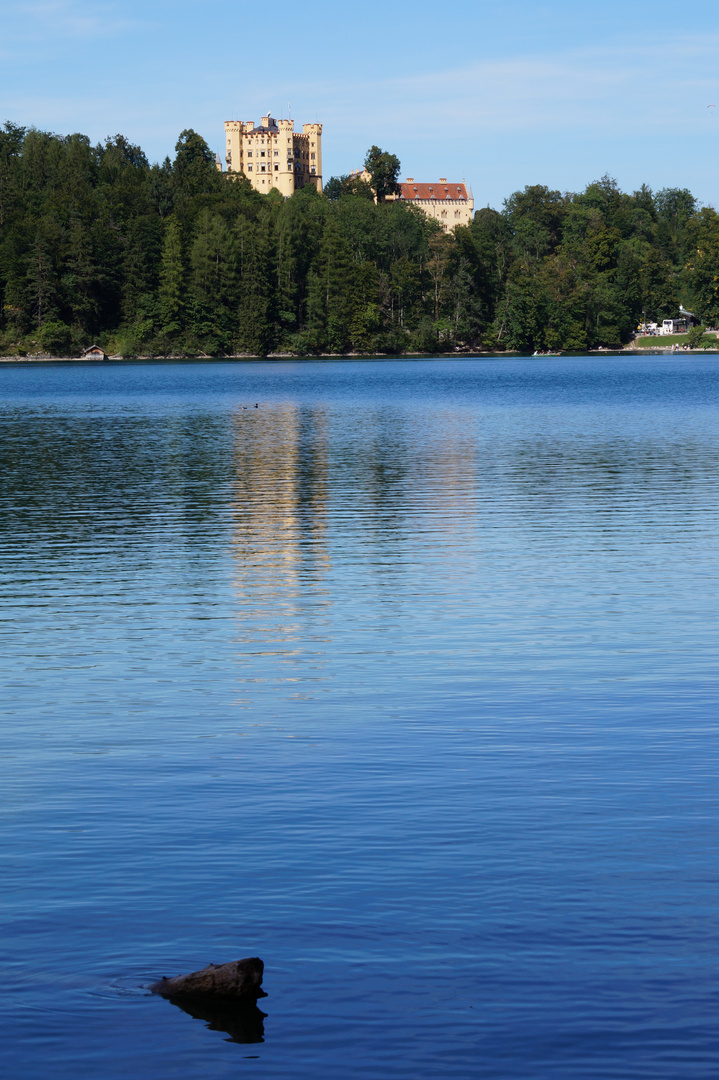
[240, 980]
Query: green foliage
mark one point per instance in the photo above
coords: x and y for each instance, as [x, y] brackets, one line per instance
[694, 336]
[191, 150]
[176, 258]
[675, 206]
[702, 264]
[337, 186]
[384, 170]
[334, 188]
[255, 333]
[171, 292]
[55, 338]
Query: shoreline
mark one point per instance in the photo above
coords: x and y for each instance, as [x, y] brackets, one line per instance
[654, 351]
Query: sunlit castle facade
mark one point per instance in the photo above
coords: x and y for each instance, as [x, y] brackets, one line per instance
[450, 204]
[273, 155]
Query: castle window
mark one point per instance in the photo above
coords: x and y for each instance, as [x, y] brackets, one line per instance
[249, 168]
[277, 153]
[276, 167]
[249, 153]
[262, 153]
[312, 156]
[263, 168]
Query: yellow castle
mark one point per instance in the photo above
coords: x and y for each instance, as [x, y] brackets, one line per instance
[274, 155]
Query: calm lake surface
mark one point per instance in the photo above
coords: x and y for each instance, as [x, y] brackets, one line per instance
[404, 681]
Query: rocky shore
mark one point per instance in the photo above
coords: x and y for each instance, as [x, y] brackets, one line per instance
[628, 351]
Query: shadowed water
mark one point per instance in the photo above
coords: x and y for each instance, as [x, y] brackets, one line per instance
[404, 681]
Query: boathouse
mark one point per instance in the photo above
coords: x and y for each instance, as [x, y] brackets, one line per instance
[94, 352]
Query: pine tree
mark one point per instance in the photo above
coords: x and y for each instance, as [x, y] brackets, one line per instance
[332, 299]
[171, 294]
[212, 284]
[256, 287]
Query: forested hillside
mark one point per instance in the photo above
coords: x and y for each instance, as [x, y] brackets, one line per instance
[96, 245]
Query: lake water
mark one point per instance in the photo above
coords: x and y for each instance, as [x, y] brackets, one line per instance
[404, 681]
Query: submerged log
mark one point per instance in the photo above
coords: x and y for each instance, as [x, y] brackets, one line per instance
[240, 980]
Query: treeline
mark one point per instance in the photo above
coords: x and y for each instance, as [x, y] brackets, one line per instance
[97, 245]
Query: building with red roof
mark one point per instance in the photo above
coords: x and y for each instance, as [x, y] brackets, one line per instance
[450, 204]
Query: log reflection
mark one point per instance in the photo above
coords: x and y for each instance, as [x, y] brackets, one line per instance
[242, 1021]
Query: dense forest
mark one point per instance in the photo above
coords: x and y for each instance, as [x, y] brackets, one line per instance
[97, 245]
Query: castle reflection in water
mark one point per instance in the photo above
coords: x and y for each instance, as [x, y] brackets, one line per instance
[316, 491]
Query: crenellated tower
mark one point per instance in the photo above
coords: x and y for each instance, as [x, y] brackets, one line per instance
[273, 156]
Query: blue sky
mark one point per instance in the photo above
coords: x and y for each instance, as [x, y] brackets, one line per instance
[503, 94]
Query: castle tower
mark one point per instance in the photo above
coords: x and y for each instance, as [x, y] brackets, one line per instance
[273, 156]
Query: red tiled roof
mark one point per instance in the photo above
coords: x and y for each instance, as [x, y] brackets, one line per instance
[433, 191]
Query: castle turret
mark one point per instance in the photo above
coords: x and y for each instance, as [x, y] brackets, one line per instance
[272, 155]
[314, 136]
